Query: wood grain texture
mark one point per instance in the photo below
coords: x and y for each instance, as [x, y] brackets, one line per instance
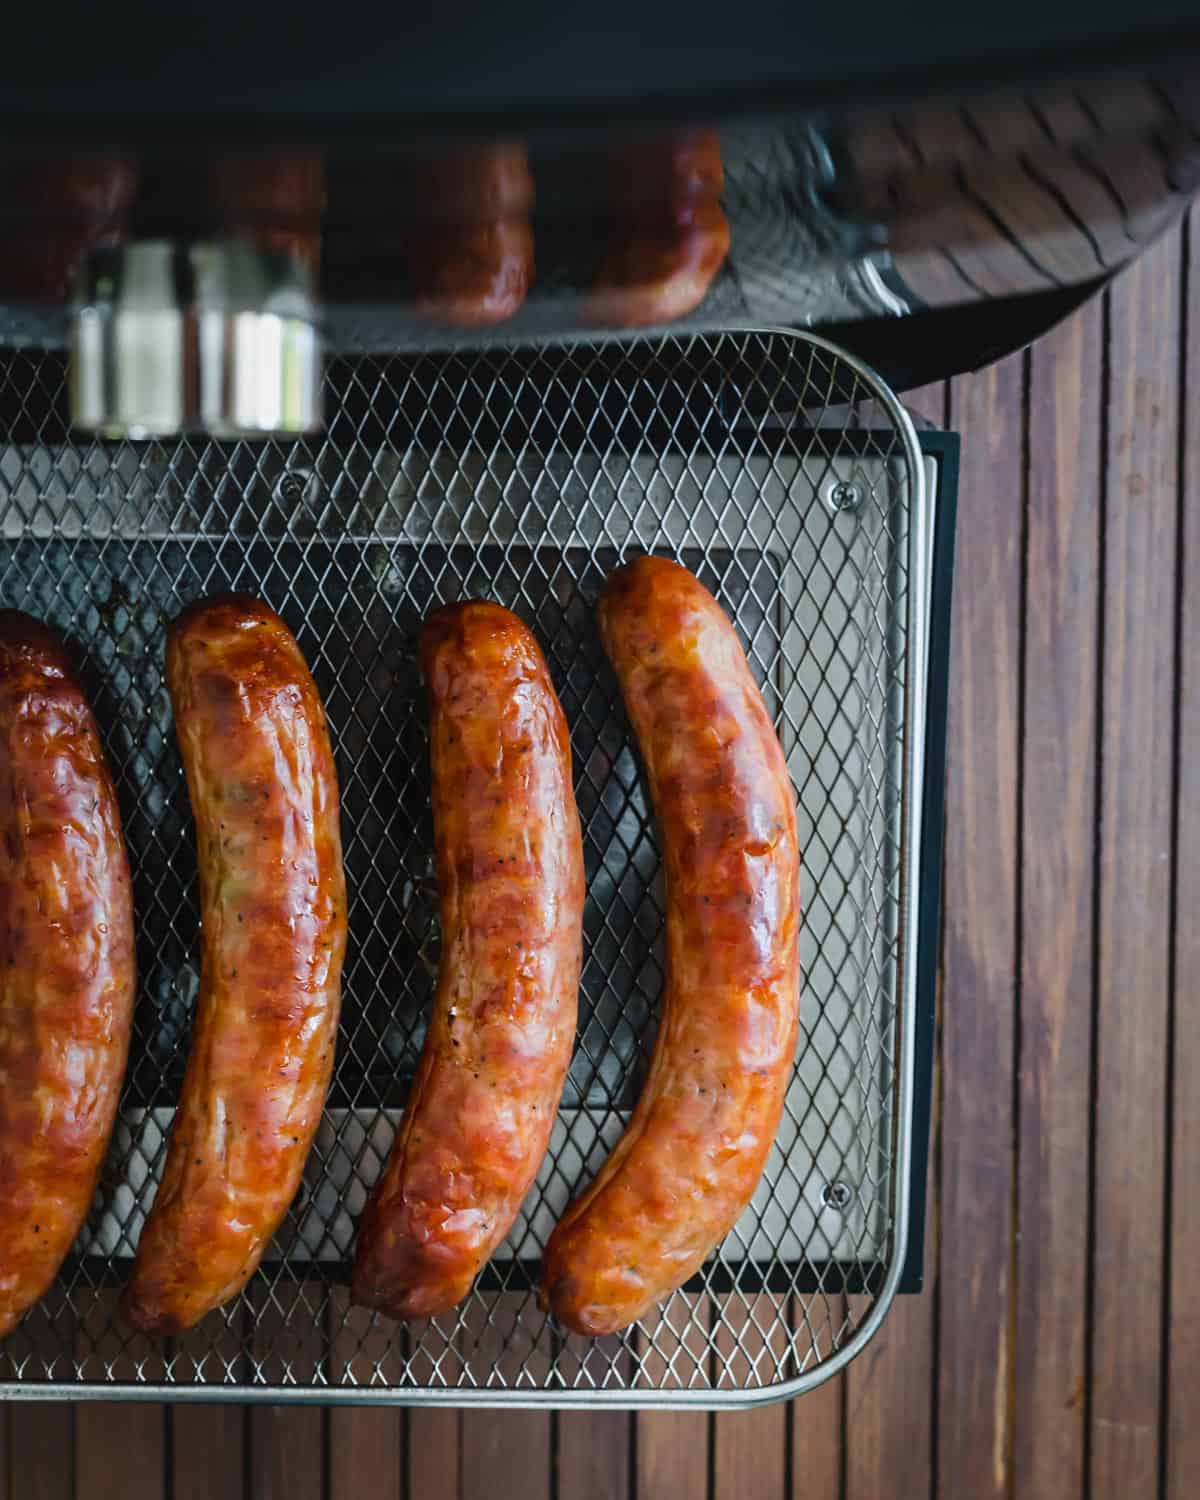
[1059, 752]
[119, 1451]
[208, 1443]
[927, 404]
[817, 1422]
[120, 1447]
[593, 1449]
[979, 945]
[37, 1439]
[434, 1437]
[366, 1444]
[593, 1454]
[366, 1452]
[750, 1447]
[286, 1453]
[208, 1451]
[509, 1443]
[1183, 1427]
[434, 1454]
[889, 1432]
[672, 1454]
[287, 1443]
[1134, 872]
[672, 1446]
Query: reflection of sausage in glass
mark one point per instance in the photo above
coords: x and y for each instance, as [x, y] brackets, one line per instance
[52, 212]
[672, 237]
[276, 201]
[469, 258]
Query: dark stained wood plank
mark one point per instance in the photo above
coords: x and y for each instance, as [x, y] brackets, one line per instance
[287, 1443]
[120, 1447]
[1183, 1431]
[889, 1407]
[119, 1451]
[208, 1450]
[889, 1431]
[927, 404]
[434, 1442]
[366, 1444]
[671, 1447]
[672, 1454]
[817, 1421]
[750, 1447]
[593, 1454]
[366, 1452]
[39, 1452]
[1135, 874]
[1057, 888]
[286, 1452]
[973, 1357]
[434, 1433]
[593, 1447]
[208, 1442]
[510, 1443]
[433, 1453]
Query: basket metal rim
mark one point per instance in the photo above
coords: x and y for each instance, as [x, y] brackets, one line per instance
[920, 519]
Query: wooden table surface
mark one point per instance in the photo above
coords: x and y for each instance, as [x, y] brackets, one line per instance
[1056, 1351]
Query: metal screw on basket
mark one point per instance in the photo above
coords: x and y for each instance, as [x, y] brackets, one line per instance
[290, 487]
[845, 496]
[836, 1195]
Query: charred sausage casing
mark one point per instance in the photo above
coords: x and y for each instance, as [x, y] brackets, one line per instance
[511, 886]
[263, 788]
[67, 970]
[696, 1145]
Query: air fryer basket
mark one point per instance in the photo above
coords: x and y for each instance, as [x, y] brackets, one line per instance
[789, 479]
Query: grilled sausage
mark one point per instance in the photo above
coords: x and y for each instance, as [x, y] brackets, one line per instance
[67, 974]
[695, 1148]
[471, 264]
[273, 933]
[510, 874]
[673, 236]
[276, 201]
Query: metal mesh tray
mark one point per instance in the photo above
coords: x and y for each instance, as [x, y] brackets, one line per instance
[789, 479]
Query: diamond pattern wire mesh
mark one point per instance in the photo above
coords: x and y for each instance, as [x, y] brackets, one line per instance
[525, 476]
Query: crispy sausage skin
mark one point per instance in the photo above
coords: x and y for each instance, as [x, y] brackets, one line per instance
[511, 885]
[472, 264]
[67, 974]
[695, 1148]
[263, 788]
[673, 236]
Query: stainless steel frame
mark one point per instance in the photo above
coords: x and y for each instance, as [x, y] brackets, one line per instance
[791, 479]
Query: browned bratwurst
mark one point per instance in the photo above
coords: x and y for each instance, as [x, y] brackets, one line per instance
[510, 878]
[67, 974]
[471, 260]
[263, 788]
[671, 236]
[696, 1145]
